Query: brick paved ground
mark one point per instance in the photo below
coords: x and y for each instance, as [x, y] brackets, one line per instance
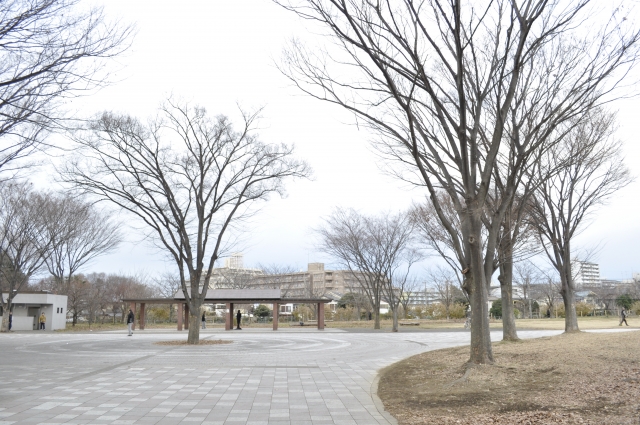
[289, 377]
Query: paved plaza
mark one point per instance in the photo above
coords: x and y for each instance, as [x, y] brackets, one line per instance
[292, 377]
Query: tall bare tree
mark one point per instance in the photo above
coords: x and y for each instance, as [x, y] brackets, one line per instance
[372, 248]
[23, 241]
[589, 169]
[51, 50]
[79, 233]
[189, 179]
[436, 82]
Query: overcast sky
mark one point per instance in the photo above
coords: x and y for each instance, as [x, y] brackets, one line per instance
[220, 54]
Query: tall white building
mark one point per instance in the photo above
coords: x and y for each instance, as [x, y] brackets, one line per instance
[235, 261]
[585, 273]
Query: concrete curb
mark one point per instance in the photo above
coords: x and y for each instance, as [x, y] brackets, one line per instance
[378, 403]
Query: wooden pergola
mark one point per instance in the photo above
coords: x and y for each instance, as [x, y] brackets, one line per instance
[230, 297]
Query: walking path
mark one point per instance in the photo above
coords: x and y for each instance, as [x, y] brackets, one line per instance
[292, 377]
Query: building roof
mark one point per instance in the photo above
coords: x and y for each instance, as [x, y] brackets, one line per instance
[236, 296]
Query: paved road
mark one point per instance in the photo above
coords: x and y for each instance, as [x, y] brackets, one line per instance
[301, 377]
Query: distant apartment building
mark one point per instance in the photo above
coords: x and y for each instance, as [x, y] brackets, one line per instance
[313, 282]
[585, 273]
[233, 275]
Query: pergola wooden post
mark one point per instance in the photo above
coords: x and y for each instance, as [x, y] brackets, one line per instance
[132, 306]
[228, 318]
[179, 316]
[142, 316]
[276, 316]
[321, 316]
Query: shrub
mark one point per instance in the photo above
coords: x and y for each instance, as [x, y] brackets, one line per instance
[583, 309]
[559, 310]
[625, 301]
[158, 313]
[496, 309]
[346, 313]
[517, 313]
[262, 311]
[635, 307]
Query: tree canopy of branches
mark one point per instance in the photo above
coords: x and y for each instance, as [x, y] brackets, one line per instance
[79, 233]
[377, 250]
[23, 240]
[588, 169]
[187, 177]
[51, 50]
[437, 82]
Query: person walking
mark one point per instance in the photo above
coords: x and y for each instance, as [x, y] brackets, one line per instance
[130, 320]
[42, 320]
[238, 319]
[623, 317]
[204, 321]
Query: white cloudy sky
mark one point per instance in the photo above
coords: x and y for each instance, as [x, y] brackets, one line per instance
[221, 53]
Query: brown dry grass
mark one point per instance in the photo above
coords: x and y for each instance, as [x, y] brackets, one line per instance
[582, 378]
[201, 342]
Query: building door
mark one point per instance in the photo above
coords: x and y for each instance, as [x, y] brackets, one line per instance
[33, 312]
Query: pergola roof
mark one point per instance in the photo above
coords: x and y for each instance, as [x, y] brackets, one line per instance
[235, 296]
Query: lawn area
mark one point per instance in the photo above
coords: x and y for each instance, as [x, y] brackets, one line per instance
[582, 378]
[542, 324]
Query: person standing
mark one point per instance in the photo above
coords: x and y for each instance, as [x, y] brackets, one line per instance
[204, 321]
[238, 319]
[623, 317]
[42, 320]
[130, 320]
[10, 320]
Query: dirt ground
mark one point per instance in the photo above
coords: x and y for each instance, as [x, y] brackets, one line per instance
[583, 378]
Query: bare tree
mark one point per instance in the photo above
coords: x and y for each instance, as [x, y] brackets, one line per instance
[188, 178]
[589, 170]
[51, 50]
[79, 233]
[23, 241]
[77, 292]
[446, 284]
[410, 291]
[436, 83]
[527, 275]
[167, 285]
[373, 249]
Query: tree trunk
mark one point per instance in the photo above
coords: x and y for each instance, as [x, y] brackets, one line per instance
[376, 318]
[5, 321]
[509, 332]
[395, 320]
[194, 329]
[570, 316]
[6, 308]
[481, 352]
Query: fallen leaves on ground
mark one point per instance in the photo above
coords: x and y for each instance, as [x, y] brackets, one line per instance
[582, 378]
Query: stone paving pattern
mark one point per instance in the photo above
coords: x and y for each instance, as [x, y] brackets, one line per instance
[301, 377]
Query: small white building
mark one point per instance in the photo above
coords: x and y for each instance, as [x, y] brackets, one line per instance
[29, 305]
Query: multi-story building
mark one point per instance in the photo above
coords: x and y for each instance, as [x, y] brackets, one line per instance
[585, 273]
[233, 275]
[313, 282]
